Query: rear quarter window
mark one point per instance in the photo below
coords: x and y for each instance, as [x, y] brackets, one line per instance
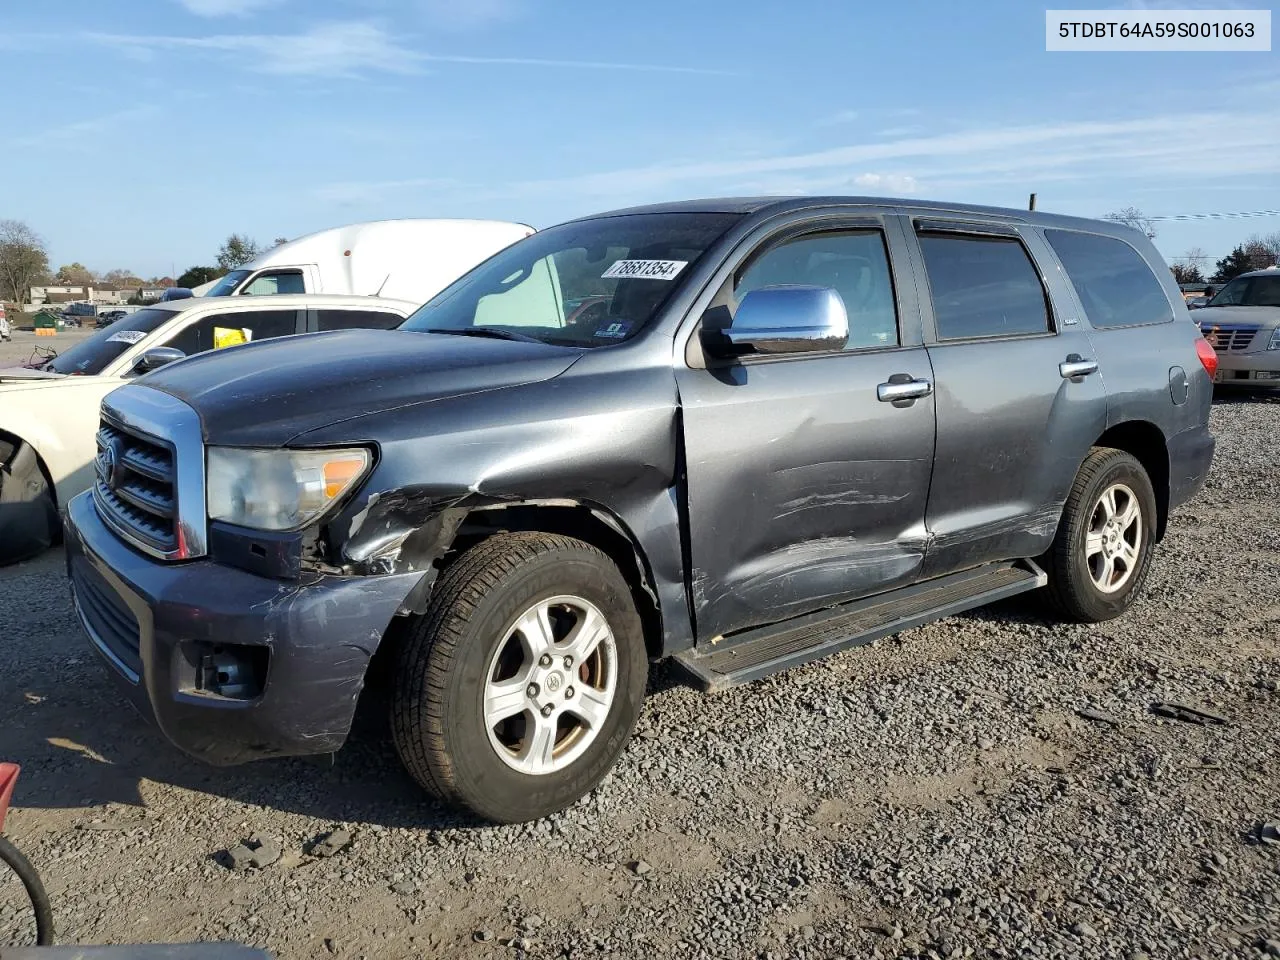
[1112, 280]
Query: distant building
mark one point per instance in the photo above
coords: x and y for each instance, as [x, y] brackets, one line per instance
[104, 293]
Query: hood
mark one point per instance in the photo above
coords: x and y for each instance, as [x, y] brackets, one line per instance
[26, 374]
[266, 394]
[1208, 316]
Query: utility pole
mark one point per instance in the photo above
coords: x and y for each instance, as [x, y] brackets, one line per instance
[1032, 203]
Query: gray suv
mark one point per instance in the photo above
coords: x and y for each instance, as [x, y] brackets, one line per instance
[742, 434]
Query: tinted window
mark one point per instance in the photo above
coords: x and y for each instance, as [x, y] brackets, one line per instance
[91, 356]
[357, 320]
[983, 287]
[1113, 282]
[229, 329]
[280, 281]
[1261, 291]
[586, 283]
[854, 264]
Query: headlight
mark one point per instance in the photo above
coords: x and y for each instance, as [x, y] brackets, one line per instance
[1274, 342]
[279, 489]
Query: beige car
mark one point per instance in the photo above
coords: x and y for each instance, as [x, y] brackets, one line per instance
[49, 415]
[1243, 324]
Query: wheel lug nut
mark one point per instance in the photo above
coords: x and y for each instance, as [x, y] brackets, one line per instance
[547, 710]
[545, 660]
[568, 662]
[532, 690]
[568, 693]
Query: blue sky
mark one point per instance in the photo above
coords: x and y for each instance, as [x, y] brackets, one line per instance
[148, 130]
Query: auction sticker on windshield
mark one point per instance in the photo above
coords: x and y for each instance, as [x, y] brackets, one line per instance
[645, 269]
[127, 336]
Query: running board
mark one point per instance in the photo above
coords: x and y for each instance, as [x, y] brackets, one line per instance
[779, 646]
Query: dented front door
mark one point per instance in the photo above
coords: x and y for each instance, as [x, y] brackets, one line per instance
[804, 488]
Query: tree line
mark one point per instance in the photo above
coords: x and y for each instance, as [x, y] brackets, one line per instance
[24, 263]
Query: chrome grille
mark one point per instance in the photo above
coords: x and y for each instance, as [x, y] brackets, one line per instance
[134, 486]
[1229, 337]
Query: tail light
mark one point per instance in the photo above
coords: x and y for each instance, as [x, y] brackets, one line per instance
[1208, 356]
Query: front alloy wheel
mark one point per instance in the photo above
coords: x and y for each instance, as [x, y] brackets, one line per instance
[551, 684]
[519, 687]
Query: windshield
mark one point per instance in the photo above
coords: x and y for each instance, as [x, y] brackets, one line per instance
[227, 285]
[91, 356]
[1261, 291]
[589, 283]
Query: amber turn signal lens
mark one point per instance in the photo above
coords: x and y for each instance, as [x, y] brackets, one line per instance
[339, 473]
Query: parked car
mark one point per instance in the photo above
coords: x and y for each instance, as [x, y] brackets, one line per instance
[1243, 324]
[789, 427]
[406, 259]
[109, 317]
[6, 332]
[49, 415]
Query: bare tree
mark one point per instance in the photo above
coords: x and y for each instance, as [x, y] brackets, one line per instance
[24, 260]
[1259, 253]
[1133, 217]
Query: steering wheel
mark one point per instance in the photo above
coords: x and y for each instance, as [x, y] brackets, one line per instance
[589, 314]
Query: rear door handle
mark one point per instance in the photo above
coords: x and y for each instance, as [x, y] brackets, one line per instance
[903, 389]
[1077, 366]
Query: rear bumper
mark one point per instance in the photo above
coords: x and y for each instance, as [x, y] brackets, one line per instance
[1190, 457]
[145, 618]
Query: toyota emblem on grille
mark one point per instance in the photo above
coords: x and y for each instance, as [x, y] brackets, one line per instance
[109, 465]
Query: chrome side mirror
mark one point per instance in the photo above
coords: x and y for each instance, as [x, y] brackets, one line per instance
[158, 357]
[784, 319]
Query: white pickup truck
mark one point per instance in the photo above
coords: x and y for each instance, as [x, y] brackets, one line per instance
[49, 414]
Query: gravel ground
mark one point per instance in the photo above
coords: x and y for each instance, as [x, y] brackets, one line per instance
[992, 785]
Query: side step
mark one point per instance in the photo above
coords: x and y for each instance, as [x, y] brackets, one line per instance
[779, 646]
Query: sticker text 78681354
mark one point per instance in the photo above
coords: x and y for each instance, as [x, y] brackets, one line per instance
[645, 270]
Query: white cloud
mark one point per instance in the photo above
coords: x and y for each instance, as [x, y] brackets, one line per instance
[1141, 150]
[344, 49]
[225, 8]
[111, 123]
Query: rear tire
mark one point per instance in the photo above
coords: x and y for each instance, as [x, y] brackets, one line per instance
[29, 522]
[1102, 552]
[518, 689]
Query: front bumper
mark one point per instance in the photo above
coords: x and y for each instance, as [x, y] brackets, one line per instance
[146, 616]
[1258, 368]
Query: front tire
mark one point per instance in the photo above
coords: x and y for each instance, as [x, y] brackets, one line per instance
[29, 522]
[519, 688]
[1102, 552]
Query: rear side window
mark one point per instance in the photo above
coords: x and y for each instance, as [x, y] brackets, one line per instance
[1113, 282]
[357, 320]
[229, 329]
[983, 287]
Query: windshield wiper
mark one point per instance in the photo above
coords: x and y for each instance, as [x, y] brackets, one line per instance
[491, 332]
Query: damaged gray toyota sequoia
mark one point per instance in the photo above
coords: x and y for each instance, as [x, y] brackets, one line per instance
[743, 434]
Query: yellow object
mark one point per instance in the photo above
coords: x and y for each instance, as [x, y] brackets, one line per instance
[46, 332]
[229, 337]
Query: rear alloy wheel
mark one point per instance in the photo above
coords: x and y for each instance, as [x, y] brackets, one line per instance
[1100, 556]
[519, 688]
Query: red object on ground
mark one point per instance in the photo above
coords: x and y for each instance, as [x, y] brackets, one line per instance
[8, 778]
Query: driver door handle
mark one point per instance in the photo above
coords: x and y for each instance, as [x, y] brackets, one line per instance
[1076, 366]
[901, 387]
